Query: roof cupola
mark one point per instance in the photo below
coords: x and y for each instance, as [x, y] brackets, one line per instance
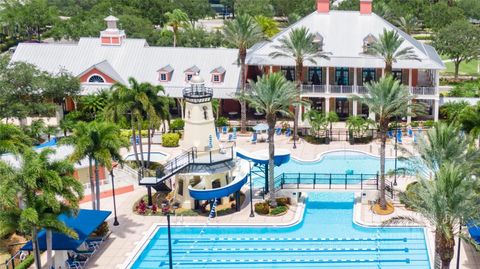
[112, 35]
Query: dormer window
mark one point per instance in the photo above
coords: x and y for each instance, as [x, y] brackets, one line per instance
[190, 72]
[218, 74]
[318, 39]
[165, 73]
[96, 79]
[368, 41]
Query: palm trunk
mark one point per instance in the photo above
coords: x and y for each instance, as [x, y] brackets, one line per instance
[49, 249]
[174, 37]
[97, 185]
[92, 183]
[36, 250]
[388, 69]
[149, 142]
[243, 104]
[383, 141]
[444, 250]
[271, 156]
[298, 80]
[180, 102]
[140, 143]
[135, 150]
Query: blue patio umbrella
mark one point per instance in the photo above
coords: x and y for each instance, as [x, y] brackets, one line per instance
[260, 127]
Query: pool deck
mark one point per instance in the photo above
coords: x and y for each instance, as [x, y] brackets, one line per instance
[133, 229]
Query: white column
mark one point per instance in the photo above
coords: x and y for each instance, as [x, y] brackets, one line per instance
[355, 109]
[371, 115]
[355, 80]
[437, 83]
[271, 69]
[327, 105]
[436, 109]
[327, 76]
[409, 118]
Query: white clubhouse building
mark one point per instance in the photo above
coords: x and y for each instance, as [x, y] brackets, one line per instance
[112, 57]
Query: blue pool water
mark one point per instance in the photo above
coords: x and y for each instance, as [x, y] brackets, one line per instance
[325, 238]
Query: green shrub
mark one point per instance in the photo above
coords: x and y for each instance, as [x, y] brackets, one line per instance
[262, 208]
[177, 125]
[283, 201]
[221, 121]
[316, 140]
[127, 134]
[428, 123]
[414, 124]
[278, 210]
[25, 264]
[170, 140]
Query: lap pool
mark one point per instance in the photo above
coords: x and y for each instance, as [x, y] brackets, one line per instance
[325, 238]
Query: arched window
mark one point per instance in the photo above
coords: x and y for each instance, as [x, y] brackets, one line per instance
[96, 79]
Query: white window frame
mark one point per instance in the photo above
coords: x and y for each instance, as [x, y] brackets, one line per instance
[163, 74]
[96, 75]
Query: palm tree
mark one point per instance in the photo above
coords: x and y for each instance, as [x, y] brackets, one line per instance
[34, 195]
[135, 104]
[100, 142]
[93, 104]
[176, 19]
[470, 119]
[13, 139]
[444, 203]
[242, 33]
[272, 95]
[387, 47]
[444, 144]
[268, 25]
[408, 24]
[452, 110]
[300, 46]
[387, 98]
[51, 130]
[318, 122]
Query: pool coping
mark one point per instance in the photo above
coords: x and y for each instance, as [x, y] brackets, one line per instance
[320, 156]
[142, 244]
[298, 217]
[357, 220]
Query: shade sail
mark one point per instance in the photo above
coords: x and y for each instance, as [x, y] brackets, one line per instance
[85, 223]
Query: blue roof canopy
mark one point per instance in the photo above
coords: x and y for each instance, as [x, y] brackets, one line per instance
[85, 223]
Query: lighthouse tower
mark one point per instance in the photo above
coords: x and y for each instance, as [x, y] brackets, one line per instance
[199, 130]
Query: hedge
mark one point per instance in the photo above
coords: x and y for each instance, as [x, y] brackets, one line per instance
[262, 208]
[170, 140]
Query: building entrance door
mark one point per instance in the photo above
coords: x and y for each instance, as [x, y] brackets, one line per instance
[342, 107]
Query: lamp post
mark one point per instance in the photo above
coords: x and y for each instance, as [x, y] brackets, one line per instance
[459, 246]
[251, 191]
[170, 262]
[396, 134]
[115, 220]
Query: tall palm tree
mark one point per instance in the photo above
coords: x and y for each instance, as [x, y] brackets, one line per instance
[176, 19]
[470, 119]
[268, 25]
[442, 144]
[93, 104]
[100, 142]
[300, 46]
[452, 110]
[161, 106]
[318, 122]
[387, 47]
[242, 33]
[135, 104]
[272, 95]
[13, 139]
[387, 98]
[35, 194]
[444, 202]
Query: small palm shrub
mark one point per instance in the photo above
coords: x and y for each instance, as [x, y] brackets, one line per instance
[170, 140]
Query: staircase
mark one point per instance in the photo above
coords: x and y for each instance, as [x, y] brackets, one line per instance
[182, 161]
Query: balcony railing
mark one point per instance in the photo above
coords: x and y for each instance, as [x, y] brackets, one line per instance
[423, 90]
[350, 89]
[314, 88]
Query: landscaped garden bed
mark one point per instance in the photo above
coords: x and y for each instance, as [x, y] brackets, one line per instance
[265, 208]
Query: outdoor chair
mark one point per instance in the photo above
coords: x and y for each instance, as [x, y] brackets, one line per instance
[278, 131]
[288, 133]
[230, 137]
[254, 138]
[72, 264]
[224, 129]
[390, 134]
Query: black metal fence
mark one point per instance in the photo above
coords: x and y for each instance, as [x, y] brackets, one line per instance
[332, 182]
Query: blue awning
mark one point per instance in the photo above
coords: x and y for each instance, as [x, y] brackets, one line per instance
[85, 223]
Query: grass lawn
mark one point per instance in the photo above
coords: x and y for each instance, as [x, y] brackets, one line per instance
[466, 69]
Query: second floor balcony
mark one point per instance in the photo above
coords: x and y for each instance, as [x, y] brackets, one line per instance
[320, 90]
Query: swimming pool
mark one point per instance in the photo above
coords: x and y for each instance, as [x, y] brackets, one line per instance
[154, 156]
[325, 238]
